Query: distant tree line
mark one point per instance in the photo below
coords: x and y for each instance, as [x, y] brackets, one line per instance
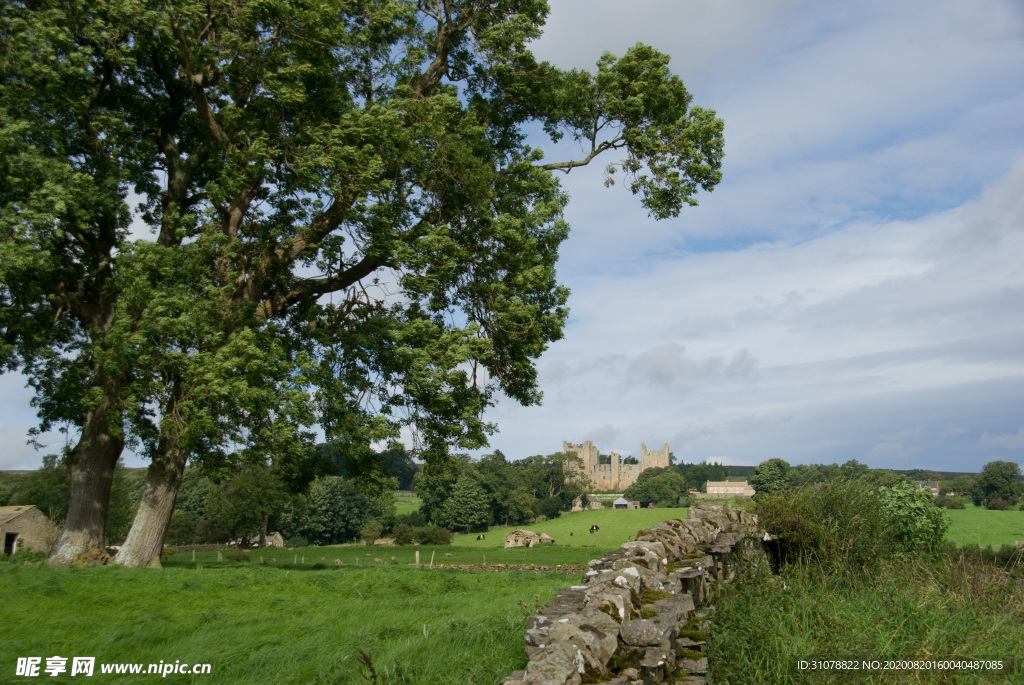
[998, 486]
[331, 499]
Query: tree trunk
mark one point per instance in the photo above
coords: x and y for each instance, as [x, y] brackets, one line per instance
[146, 538]
[91, 464]
[263, 531]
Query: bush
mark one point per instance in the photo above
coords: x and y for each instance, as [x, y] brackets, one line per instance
[852, 523]
[298, 541]
[549, 507]
[912, 518]
[744, 502]
[237, 555]
[949, 502]
[998, 505]
[415, 519]
[432, 535]
[370, 531]
[404, 535]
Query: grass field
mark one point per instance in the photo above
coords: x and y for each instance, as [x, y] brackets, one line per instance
[406, 505]
[257, 624]
[617, 525]
[979, 526]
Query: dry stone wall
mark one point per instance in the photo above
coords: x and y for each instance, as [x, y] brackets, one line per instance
[640, 615]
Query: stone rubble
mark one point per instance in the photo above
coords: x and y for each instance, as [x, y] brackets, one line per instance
[634, 618]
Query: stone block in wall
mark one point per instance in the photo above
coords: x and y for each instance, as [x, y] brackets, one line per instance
[605, 631]
[569, 600]
[694, 666]
[617, 602]
[646, 553]
[728, 539]
[556, 665]
[675, 546]
[657, 664]
[673, 609]
[623, 574]
[641, 632]
[649, 580]
[701, 531]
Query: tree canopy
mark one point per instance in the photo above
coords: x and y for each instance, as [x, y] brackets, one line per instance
[341, 197]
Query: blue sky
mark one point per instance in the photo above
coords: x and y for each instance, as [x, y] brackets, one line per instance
[853, 289]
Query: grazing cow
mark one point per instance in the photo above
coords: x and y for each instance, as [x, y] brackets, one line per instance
[480, 537]
[447, 554]
[594, 529]
[378, 561]
[570, 534]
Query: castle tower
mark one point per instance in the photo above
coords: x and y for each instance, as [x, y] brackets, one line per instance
[657, 459]
[585, 451]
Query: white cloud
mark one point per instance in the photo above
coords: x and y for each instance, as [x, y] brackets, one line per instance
[17, 454]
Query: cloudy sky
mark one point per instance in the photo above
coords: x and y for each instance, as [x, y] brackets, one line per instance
[854, 287]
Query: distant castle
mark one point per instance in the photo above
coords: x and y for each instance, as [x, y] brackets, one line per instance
[615, 476]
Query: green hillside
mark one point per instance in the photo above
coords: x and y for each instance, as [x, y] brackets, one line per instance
[616, 525]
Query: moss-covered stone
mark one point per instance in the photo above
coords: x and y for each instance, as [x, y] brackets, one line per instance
[693, 633]
[625, 657]
[649, 596]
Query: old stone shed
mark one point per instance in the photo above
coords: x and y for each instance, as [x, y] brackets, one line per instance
[25, 527]
[527, 538]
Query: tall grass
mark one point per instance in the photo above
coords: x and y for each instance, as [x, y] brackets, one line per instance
[952, 606]
[863, 577]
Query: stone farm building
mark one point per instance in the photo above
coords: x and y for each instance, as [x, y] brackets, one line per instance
[25, 527]
[725, 488]
[615, 476]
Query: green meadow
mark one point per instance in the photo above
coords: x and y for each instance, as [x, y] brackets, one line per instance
[258, 624]
[406, 504]
[979, 526]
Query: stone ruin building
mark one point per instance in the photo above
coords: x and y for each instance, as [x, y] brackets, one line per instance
[615, 476]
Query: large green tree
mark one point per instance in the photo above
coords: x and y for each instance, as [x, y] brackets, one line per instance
[354, 179]
[771, 477]
[468, 506]
[998, 480]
